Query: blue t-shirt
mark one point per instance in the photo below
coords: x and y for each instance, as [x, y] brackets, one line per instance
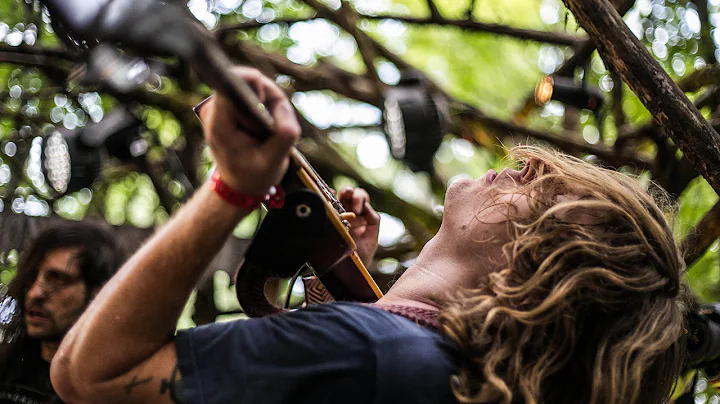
[331, 353]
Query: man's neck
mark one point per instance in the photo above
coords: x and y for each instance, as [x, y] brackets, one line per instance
[48, 349]
[438, 272]
[424, 284]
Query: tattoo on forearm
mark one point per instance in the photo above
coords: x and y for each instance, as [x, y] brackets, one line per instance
[134, 383]
[174, 387]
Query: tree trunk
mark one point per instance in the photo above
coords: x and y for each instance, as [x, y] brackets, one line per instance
[626, 55]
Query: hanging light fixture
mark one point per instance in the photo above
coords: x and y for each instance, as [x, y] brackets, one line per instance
[67, 164]
[415, 122]
[569, 92]
[72, 160]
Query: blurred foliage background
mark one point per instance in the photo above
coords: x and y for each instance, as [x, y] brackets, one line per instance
[336, 60]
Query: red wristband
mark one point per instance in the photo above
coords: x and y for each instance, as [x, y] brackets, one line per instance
[273, 199]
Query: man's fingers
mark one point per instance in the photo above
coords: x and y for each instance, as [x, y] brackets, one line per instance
[358, 222]
[255, 79]
[372, 217]
[214, 114]
[348, 216]
[287, 130]
[345, 196]
[222, 124]
[357, 200]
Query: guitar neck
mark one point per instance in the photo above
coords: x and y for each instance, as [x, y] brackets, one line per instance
[215, 68]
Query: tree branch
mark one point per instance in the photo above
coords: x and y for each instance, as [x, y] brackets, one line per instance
[225, 30]
[154, 172]
[710, 98]
[56, 53]
[706, 232]
[617, 101]
[563, 141]
[555, 38]
[469, 13]
[321, 76]
[622, 51]
[346, 18]
[55, 63]
[367, 51]
[434, 12]
[706, 76]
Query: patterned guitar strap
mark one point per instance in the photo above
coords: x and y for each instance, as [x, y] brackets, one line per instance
[316, 293]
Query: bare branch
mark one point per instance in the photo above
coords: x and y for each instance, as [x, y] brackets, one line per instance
[563, 141]
[556, 38]
[617, 101]
[434, 12]
[155, 173]
[346, 18]
[710, 98]
[470, 10]
[57, 53]
[53, 62]
[706, 232]
[321, 76]
[706, 76]
[224, 30]
[330, 77]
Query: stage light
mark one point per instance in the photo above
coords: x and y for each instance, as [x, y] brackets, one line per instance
[56, 162]
[569, 92]
[72, 160]
[68, 165]
[415, 122]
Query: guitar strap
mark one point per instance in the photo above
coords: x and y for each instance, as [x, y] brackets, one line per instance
[315, 292]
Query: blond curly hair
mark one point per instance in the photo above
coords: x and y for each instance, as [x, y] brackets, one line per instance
[587, 307]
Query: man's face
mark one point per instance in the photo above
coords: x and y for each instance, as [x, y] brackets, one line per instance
[57, 297]
[475, 223]
[478, 209]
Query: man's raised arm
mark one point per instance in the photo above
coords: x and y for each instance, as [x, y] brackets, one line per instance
[121, 349]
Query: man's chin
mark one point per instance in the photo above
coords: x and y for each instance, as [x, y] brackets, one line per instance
[45, 335]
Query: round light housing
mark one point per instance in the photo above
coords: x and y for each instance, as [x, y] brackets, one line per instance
[415, 122]
[569, 92]
[67, 164]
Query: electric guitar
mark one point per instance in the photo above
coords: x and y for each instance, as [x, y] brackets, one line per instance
[308, 235]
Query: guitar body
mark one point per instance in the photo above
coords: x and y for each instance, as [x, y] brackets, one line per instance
[306, 232]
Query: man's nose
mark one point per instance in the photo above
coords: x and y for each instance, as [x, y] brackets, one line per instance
[514, 174]
[36, 291]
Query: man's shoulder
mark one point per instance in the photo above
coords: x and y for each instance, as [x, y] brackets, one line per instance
[357, 325]
[390, 336]
[338, 350]
[368, 319]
